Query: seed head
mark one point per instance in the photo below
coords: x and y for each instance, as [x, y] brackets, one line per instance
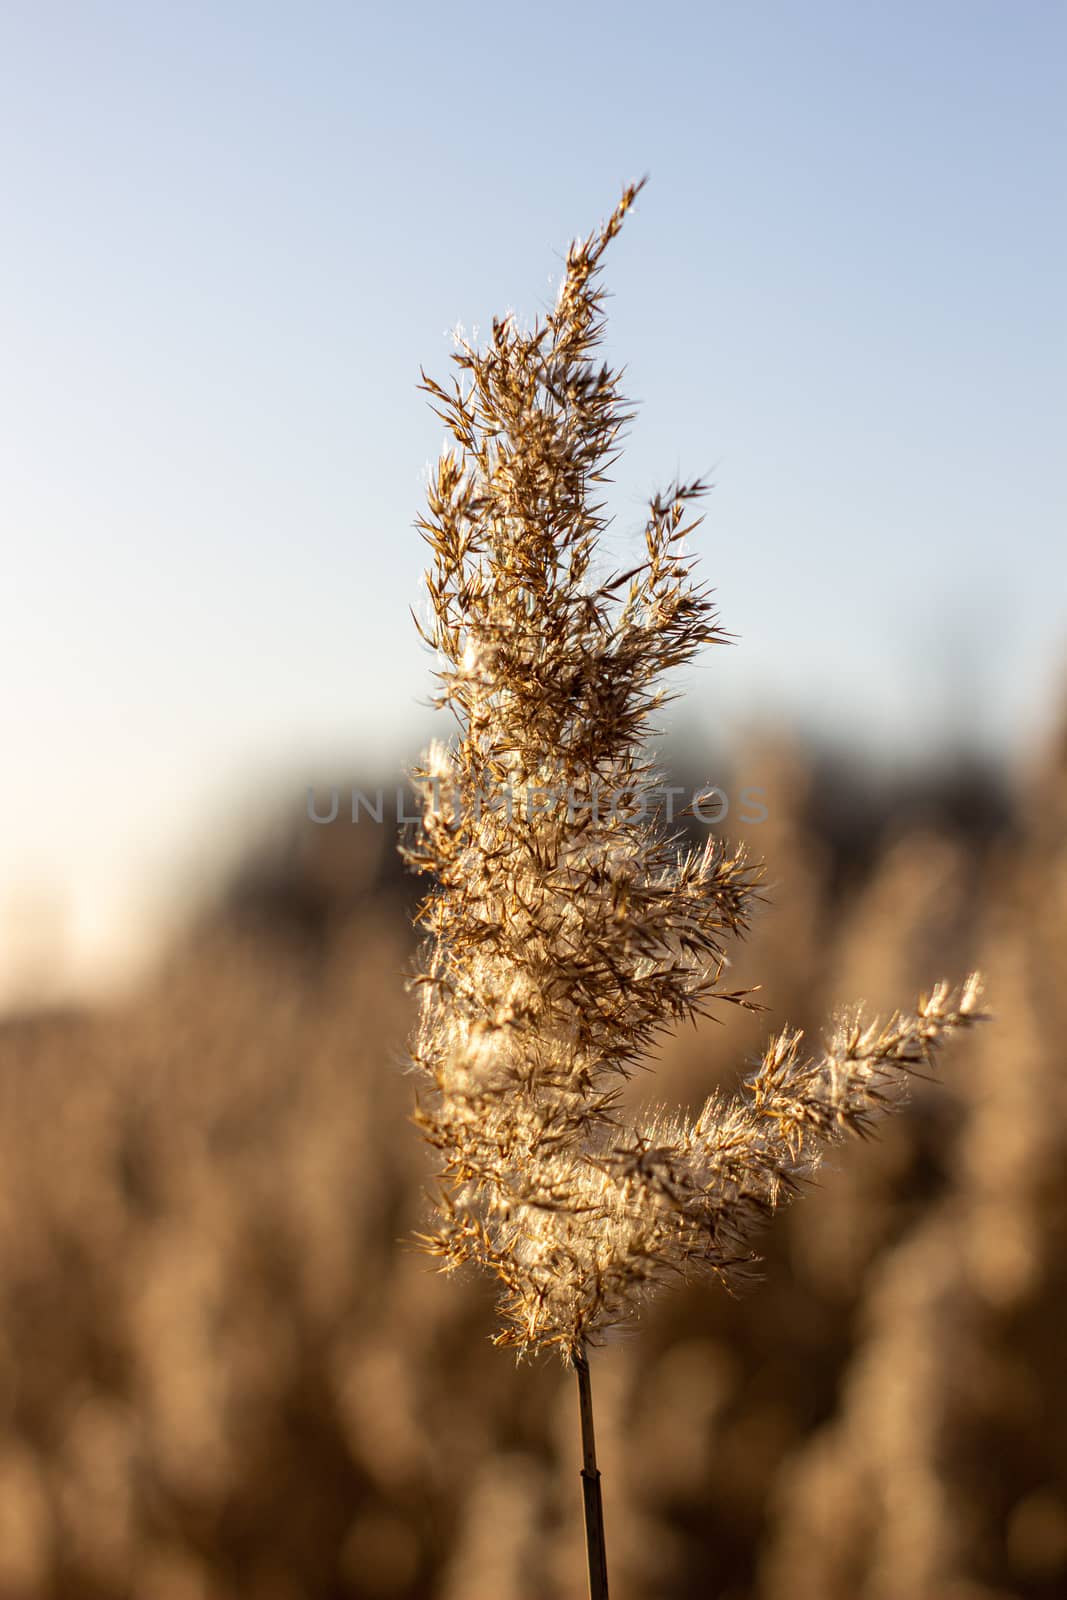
[568, 928]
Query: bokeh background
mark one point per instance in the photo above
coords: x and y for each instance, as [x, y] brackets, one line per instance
[233, 233]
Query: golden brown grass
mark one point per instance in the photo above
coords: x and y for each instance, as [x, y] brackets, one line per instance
[567, 930]
[222, 1378]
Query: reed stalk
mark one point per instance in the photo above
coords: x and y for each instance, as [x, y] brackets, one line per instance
[593, 1501]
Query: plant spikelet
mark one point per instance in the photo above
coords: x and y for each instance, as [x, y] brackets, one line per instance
[567, 927]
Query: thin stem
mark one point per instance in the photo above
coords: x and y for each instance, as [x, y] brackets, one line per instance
[594, 1505]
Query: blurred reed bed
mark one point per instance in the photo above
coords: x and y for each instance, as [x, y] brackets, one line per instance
[223, 1374]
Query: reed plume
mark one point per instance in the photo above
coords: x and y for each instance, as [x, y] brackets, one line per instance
[568, 927]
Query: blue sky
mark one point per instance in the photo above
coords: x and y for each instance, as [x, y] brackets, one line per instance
[232, 234]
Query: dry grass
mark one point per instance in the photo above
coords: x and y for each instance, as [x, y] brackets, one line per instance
[222, 1376]
[567, 930]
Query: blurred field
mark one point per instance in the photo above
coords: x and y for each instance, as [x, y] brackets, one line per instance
[223, 1374]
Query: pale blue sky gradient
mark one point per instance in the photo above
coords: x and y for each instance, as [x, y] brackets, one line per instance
[232, 233]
